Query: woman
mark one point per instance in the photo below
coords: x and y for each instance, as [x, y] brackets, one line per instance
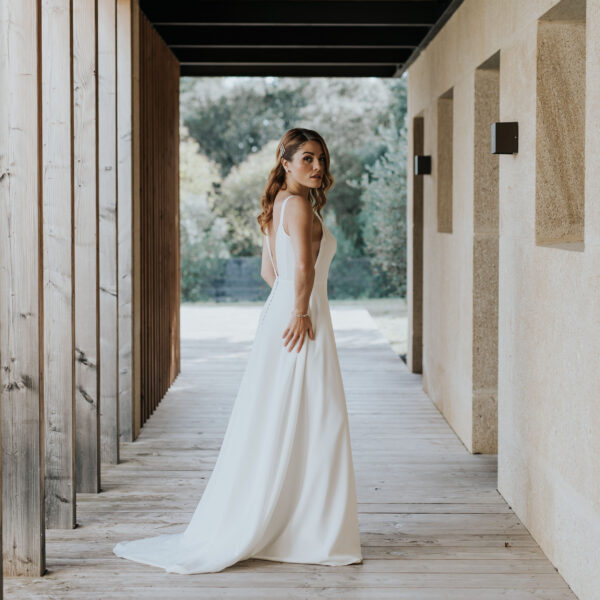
[283, 485]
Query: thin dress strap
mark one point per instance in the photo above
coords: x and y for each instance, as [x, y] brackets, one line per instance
[267, 236]
[283, 210]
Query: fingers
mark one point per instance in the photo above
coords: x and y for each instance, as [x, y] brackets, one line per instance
[295, 334]
[298, 336]
[301, 338]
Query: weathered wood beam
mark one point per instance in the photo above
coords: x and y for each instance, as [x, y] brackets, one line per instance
[21, 386]
[87, 343]
[57, 242]
[159, 224]
[136, 242]
[107, 197]
[124, 179]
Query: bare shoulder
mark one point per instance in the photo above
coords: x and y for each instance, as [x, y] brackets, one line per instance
[298, 215]
[299, 207]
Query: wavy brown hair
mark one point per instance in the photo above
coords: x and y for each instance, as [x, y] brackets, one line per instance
[290, 143]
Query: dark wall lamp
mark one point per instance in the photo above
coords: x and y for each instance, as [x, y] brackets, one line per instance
[505, 137]
[422, 165]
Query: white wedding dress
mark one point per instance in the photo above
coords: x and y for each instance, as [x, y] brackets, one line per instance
[283, 485]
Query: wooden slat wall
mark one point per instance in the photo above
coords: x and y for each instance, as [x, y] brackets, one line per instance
[21, 306]
[159, 216]
[85, 165]
[63, 172]
[107, 199]
[124, 156]
[135, 211]
[57, 248]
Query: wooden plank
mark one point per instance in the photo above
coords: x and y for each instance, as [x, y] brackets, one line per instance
[21, 390]
[348, 592]
[87, 342]
[125, 225]
[159, 225]
[107, 197]
[57, 264]
[136, 248]
[415, 545]
[415, 251]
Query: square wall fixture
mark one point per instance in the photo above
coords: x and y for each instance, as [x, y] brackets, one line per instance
[422, 165]
[505, 138]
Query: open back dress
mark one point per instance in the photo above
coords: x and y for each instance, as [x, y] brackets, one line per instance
[283, 485]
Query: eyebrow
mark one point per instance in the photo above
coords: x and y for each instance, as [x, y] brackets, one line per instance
[308, 152]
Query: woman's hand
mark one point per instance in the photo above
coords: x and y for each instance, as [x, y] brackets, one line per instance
[296, 330]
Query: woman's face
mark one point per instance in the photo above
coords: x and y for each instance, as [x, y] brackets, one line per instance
[307, 166]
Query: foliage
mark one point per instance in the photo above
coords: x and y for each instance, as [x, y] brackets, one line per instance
[231, 126]
[203, 234]
[239, 201]
[383, 215]
[240, 117]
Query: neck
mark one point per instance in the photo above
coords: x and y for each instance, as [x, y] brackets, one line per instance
[293, 187]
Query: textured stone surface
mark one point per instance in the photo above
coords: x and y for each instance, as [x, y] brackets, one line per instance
[443, 166]
[548, 307]
[560, 114]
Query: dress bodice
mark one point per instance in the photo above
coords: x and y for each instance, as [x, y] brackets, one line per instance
[284, 251]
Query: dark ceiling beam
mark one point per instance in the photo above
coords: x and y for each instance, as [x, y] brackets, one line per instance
[444, 17]
[298, 12]
[302, 38]
[288, 35]
[292, 56]
[271, 70]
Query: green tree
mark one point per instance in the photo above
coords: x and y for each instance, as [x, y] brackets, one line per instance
[202, 233]
[239, 201]
[383, 214]
[236, 120]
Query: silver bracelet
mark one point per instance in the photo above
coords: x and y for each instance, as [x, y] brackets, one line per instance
[304, 315]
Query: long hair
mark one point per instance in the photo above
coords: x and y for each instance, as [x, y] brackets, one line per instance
[290, 143]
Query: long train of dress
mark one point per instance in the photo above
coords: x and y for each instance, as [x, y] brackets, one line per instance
[283, 485]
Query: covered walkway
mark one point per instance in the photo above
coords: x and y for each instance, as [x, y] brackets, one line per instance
[432, 522]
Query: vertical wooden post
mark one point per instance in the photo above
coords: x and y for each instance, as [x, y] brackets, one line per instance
[415, 251]
[57, 263]
[86, 246]
[107, 197]
[21, 306]
[159, 222]
[136, 248]
[124, 179]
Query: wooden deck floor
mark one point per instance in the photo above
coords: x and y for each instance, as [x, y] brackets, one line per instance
[432, 524]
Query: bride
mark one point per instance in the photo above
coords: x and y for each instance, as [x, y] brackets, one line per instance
[283, 485]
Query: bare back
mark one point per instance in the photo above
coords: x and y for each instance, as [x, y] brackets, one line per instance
[317, 229]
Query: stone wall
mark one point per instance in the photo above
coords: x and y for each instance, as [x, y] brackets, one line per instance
[510, 285]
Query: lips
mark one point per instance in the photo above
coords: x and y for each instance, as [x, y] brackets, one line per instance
[316, 176]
